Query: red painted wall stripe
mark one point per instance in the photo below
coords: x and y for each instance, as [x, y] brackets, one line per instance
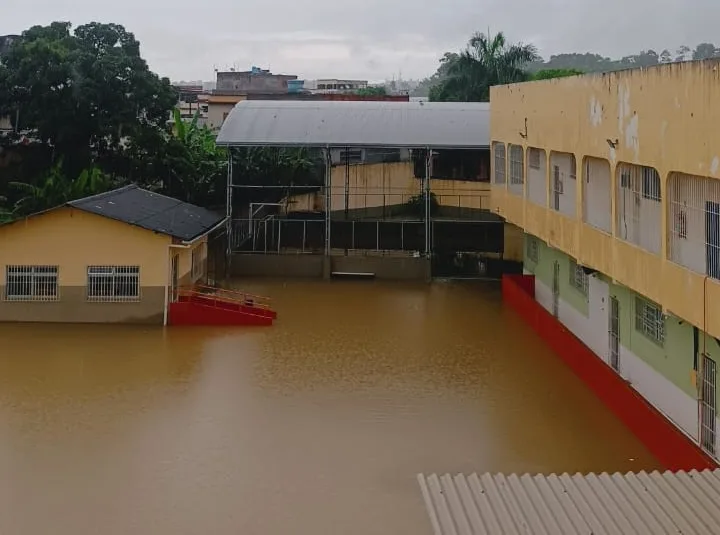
[671, 447]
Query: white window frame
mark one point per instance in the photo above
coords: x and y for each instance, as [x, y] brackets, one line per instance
[517, 168]
[650, 320]
[578, 278]
[500, 161]
[109, 277]
[38, 277]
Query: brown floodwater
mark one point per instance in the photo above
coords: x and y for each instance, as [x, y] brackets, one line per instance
[317, 425]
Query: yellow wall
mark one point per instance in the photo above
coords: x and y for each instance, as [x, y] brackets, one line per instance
[73, 240]
[185, 259]
[665, 117]
[218, 106]
[389, 184]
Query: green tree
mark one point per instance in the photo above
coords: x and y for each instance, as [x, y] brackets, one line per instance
[547, 74]
[56, 189]
[425, 86]
[197, 165]
[84, 93]
[377, 91]
[487, 61]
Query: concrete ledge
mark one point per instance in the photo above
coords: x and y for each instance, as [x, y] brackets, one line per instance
[318, 266]
[291, 266]
[384, 267]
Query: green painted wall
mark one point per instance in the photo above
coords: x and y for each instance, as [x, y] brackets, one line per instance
[674, 360]
[543, 271]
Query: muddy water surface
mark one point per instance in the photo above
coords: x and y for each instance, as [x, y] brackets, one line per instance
[317, 425]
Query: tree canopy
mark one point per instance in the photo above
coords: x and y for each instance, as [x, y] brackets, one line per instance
[83, 93]
[487, 61]
[585, 62]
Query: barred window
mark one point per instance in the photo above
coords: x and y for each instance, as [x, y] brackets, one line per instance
[31, 283]
[499, 154]
[649, 320]
[578, 278]
[517, 169]
[531, 247]
[351, 156]
[534, 158]
[113, 283]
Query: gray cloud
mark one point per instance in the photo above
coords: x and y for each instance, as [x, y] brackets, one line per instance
[374, 39]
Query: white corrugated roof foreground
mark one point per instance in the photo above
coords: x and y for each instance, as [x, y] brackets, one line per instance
[653, 503]
[357, 124]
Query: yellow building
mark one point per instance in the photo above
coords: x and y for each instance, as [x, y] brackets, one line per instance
[116, 257]
[218, 108]
[615, 179]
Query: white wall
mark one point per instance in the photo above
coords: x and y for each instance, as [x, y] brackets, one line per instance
[566, 164]
[597, 194]
[537, 187]
[675, 404]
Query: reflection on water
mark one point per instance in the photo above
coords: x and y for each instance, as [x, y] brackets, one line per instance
[316, 425]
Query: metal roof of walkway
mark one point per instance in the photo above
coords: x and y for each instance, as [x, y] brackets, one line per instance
[653, 503]
[435, 125]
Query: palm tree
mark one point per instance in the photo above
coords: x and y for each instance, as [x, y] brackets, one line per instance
[487, 61]
[55, 189]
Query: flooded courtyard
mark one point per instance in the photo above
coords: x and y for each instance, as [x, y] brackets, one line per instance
[317, 425]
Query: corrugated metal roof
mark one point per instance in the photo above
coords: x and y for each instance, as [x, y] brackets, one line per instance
[593, 504]
[353, 124]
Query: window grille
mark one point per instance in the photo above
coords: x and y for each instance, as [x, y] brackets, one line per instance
[352, 156]
[500, 164]
[113, 283]
[31, 283]
[694, 223]
[532, 249]
[517, 169]
[649, 320]
[534, 158]
[639, 208]
[578, 278]
[563, 184]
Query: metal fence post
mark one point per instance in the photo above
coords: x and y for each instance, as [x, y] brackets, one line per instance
[328, 198]
[229, 213]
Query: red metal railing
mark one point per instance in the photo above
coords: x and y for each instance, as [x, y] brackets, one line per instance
[225, 295]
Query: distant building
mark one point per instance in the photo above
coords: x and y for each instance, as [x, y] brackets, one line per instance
[191, 102]
[335, 85]
[255, 80]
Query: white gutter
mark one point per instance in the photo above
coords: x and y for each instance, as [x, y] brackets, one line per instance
[220, 224]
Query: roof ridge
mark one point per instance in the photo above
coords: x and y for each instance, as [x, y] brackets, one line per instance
[102, 195]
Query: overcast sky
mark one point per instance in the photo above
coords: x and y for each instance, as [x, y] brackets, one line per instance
[369, 39]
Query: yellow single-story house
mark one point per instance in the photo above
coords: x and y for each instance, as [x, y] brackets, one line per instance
[116, 257]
